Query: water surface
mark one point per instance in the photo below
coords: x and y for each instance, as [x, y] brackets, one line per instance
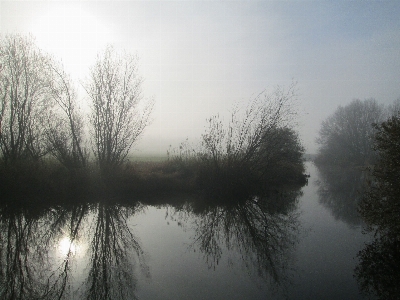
[295, 244]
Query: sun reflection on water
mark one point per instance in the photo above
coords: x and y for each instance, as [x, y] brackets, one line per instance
[66, 247]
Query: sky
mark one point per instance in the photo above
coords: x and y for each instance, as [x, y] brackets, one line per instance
[199, 58]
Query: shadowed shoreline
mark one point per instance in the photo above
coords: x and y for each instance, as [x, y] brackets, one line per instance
[49, 183]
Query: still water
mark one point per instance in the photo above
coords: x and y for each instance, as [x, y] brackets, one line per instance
[304, 248]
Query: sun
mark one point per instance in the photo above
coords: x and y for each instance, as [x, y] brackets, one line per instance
[71, 34]
[66, 247]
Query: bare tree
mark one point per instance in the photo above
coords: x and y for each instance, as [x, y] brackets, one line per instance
[256, 142]
[394, 108]
[250, 129]
[65, 126]
[114, 88]
[346, 136]
[256, 149]
[25, 79]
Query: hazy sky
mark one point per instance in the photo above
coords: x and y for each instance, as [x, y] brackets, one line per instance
[199, 57]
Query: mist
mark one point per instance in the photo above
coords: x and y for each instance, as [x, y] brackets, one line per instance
[200, 58]
[199, 149]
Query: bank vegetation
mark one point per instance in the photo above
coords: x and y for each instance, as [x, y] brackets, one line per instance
[50, 149]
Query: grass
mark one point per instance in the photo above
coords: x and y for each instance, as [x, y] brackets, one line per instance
[48, 182]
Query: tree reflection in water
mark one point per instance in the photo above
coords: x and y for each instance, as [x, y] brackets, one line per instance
[113, 250]
[29, 268]
[261, 230]
[340, 190]
[65, 223]
[22, 255]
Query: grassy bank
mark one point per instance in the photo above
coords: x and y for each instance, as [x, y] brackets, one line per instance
[48, 182]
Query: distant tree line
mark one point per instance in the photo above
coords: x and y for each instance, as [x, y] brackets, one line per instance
[366, 135]
[346, 137]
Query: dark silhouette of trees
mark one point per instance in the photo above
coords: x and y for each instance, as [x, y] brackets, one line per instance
[39, 114]
[25, 79]
[380, 207]
[257, 148]
[38, 111]
[249, 132]
[114, 88]
[65, 130]
[281, 156]
[378, 271]
[346, 136]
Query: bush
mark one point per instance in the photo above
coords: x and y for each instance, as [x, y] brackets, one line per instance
[256, 150]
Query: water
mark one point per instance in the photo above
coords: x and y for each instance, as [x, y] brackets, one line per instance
[322, 259]
[326, 255]
[304, 249]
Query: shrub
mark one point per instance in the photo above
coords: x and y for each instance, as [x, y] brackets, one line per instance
[256, 150]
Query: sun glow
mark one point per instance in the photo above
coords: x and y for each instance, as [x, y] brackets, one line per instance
[66, 247]
[72, 35]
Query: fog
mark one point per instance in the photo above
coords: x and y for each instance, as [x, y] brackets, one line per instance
[199, 58]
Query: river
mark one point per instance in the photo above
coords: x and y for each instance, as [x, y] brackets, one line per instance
[299, 244]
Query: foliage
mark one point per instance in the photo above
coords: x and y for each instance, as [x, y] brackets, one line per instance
[378, 271]
[381, 205]
[345, 137]
[114, 88]
[281, 156]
